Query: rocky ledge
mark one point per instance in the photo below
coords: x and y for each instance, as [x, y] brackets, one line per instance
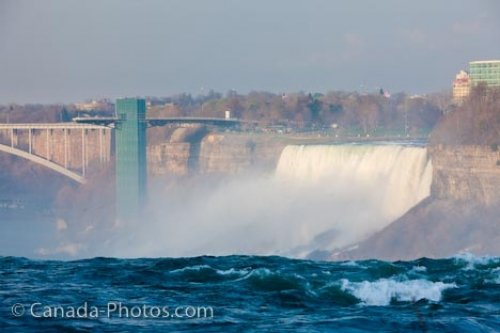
[461, 215]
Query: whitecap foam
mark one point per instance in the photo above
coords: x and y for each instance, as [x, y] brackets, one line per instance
[473, 260]
[383, 291]
[260, 273]
[226, 272]
[233, 271]
[418, 269]
[350, 263]
[191, 268]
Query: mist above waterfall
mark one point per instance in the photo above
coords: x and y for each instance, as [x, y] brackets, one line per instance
[319, 198]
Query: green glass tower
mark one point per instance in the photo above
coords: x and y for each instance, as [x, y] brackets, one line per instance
[487, 71]
[130, 149]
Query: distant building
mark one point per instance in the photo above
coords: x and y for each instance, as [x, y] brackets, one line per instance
[93, 105]
[384, 93]
[461, 86]
[487, 71]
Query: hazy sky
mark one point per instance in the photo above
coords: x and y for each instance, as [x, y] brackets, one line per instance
[66, 50]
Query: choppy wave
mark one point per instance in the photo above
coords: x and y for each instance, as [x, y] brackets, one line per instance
[262, 294]
[383, 291]
[472, 261]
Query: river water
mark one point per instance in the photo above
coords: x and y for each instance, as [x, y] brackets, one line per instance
[249, 294]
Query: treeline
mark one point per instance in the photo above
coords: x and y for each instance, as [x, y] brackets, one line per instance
[364, 113]
[476, 121]
[44, 113]
[36, 113]
[355, 112]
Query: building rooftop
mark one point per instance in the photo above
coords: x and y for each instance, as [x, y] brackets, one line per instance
[484, 62]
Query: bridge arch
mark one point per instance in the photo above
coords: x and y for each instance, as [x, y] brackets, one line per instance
[42, 161]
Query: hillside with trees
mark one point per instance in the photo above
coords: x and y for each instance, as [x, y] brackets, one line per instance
[350, 112]
[475, 122]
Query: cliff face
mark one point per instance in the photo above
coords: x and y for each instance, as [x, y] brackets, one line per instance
[168, 158]
[466, 173]
[217, 153]
[462, 213]
[234, 153]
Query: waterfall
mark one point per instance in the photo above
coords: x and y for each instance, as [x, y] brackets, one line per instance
[345, 193]
[396, 177]
[320, 198]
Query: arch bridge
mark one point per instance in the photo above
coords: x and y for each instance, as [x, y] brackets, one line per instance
[74, 148]
[70, 149]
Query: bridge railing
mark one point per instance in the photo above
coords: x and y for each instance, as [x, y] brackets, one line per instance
[53, 145]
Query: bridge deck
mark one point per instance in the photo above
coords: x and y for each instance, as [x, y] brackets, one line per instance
[88, 123]
[44, 126]
[107, 121]
[193, 120]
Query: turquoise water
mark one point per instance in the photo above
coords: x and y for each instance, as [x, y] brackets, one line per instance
[249, 294]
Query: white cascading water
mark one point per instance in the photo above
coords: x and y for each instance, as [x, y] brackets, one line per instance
[357, 189]
[320, 198]
[396, 177]
[367, 187]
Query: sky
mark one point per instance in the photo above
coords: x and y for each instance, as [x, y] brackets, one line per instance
[60, 51]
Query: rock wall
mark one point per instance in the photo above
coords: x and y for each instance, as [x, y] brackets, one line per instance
[460, 173]
[217, 153]
[233, 153]
[168, 158]
[462, 213]
[470, 173]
